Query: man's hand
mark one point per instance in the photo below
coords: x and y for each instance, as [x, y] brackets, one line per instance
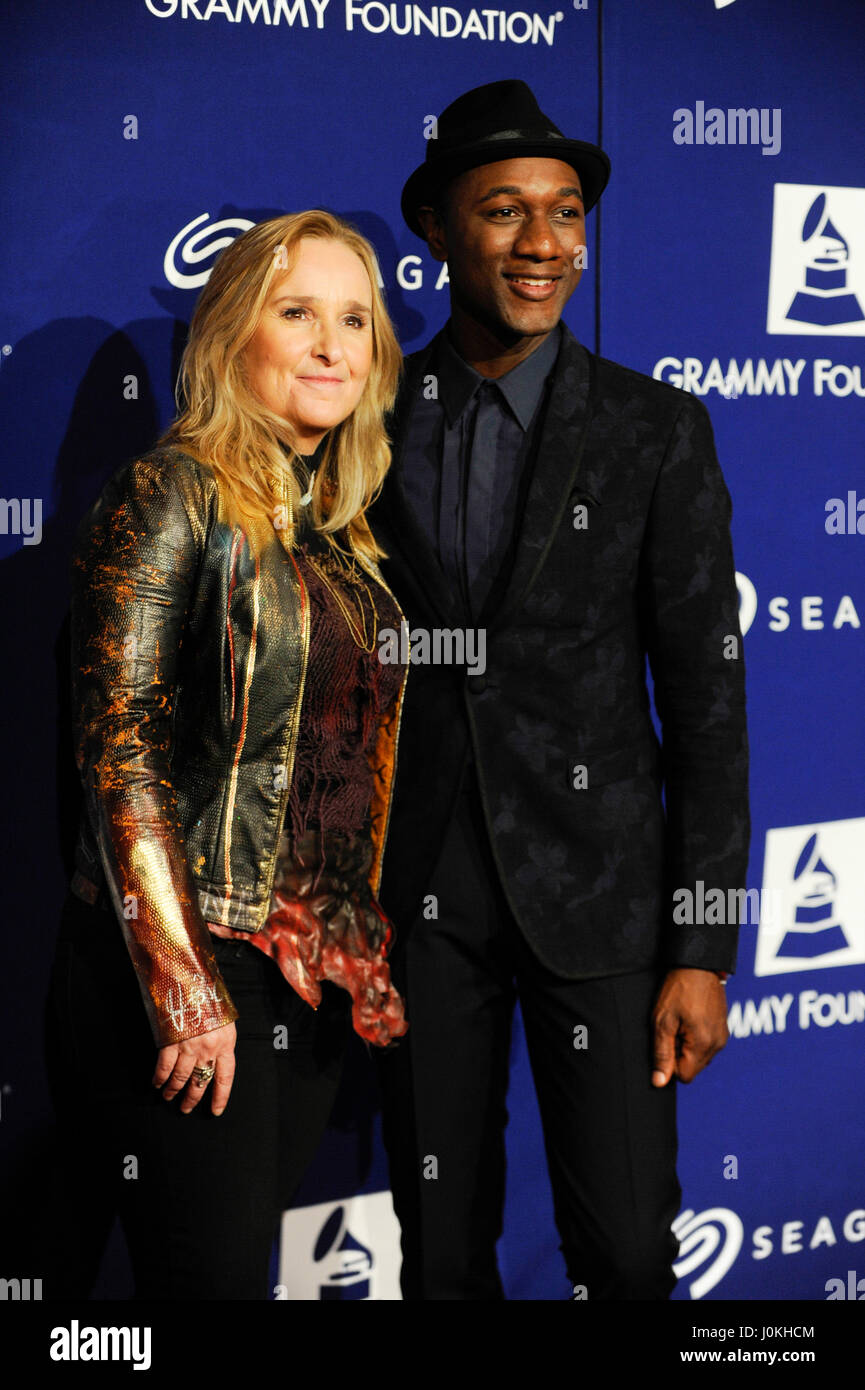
[690, 1021]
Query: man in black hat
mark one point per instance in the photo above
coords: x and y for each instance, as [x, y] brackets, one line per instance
[575, 511]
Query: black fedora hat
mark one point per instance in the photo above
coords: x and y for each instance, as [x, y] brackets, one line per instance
[501, 120]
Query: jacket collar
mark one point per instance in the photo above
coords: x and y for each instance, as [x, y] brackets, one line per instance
[557, 472]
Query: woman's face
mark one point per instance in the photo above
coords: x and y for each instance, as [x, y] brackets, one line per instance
[311, 354]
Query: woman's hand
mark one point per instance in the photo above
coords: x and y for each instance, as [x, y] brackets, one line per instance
[175, 1063]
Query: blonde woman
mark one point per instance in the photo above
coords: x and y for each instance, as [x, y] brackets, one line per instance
[236, 736]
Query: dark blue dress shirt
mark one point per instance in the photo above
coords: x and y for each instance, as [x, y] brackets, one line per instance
[467, 458]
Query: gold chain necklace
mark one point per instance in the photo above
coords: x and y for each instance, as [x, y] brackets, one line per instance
[359, 631]
[360, 634]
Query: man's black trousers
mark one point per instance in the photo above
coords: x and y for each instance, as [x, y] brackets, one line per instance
[610, 1136]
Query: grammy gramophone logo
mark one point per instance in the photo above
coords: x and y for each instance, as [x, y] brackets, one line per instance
[815, 930]
[826, 298]
[817, 276]
[344, 1262]
[812, 911]
[344, 1250]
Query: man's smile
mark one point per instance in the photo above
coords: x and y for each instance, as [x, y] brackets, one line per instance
[528, 286]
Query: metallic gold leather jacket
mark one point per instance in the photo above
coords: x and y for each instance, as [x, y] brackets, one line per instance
[189, 659]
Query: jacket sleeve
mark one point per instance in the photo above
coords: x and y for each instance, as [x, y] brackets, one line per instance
[133, 575]
[690, 604]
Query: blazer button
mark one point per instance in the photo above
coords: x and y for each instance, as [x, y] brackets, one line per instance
[476, 685]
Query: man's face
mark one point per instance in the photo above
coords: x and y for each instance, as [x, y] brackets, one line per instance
[511, 234]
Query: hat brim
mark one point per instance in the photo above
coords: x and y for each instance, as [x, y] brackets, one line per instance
[589, 161]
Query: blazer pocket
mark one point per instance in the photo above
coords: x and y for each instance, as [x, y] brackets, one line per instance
[581, 494]
[600, 522]
[615, 765]
[580, 506]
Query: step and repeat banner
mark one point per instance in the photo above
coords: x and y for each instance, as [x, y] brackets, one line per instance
[728, 259]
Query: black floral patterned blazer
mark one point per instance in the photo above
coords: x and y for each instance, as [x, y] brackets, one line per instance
[623, 553]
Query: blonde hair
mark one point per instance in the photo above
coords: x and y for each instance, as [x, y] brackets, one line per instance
[229, 429]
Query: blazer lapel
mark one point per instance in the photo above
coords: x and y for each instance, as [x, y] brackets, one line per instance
[557, 471]
[403, 526]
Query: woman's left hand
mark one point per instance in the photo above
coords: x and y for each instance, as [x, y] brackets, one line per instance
[175, 1065]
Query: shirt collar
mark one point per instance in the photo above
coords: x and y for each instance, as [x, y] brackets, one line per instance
[521, 386]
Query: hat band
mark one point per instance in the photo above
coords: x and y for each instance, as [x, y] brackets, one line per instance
[439, 148]
[536, 134]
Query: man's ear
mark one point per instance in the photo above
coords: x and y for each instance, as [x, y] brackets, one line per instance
[434, 231]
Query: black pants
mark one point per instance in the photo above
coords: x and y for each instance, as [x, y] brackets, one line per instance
[610, 1136]
[199, 1195]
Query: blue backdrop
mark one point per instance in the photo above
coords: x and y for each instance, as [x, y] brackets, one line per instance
[728, 256]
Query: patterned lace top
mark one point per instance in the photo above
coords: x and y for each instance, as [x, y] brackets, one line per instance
[347, 689]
